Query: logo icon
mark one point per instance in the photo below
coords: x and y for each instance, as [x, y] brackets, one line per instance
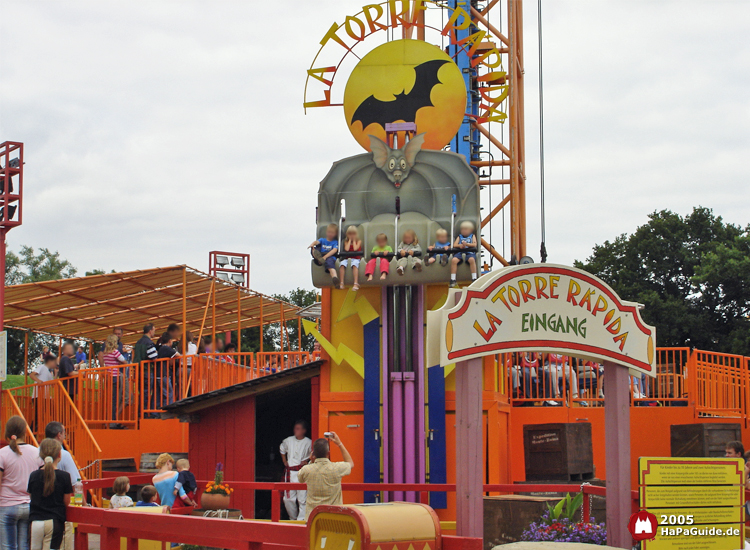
[642, 525]
[407, 81]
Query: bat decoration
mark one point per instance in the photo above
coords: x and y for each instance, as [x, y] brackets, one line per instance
[396, 163]
[404, 106]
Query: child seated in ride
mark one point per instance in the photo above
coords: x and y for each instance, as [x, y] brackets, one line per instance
[185, 481]
[148, 494]
[381, 259]
[407, 252]
[442, 242]
[351, 244]
[324, 251]
[121, 499]
[466, 239]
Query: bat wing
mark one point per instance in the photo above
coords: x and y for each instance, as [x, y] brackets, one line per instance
[402, 106]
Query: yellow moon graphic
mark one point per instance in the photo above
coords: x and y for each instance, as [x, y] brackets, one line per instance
[384, 83]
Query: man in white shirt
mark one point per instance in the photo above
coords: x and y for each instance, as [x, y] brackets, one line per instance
[45, 371]
[295, 452]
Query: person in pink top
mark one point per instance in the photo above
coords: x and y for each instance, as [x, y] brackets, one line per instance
[112, 358]
[17, 461]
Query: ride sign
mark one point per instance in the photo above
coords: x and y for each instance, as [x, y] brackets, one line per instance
[544, 308]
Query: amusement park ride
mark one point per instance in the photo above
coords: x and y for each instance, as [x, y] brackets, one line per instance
[420, 368]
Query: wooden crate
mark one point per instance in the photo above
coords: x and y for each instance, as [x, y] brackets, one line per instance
[598, 504]
[506, 517]
[148, 461]
[704, 439]
[561, 452]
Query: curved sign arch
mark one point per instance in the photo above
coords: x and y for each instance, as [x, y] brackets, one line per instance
[545, 308]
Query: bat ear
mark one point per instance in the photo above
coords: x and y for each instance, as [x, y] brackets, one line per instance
[379, 150]
[412, 148]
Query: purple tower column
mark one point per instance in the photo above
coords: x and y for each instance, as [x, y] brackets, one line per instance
[421, 368]
[386, 320]
[397, 432]
[410, 435]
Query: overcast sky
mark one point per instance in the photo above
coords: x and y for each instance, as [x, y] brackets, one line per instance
[158, 131]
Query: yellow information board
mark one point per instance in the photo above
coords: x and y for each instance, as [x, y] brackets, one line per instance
[698, 502]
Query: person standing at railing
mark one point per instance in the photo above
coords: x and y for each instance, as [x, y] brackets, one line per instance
[17, 462]
[81, 356]
[165, 371]
[117, 332]
[112, 358]
[68, 369]
[322, 476]
[41, 374]
[295, 453]
[229, 349]
[145, 350]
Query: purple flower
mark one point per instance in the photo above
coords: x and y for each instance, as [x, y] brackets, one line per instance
[219, 467]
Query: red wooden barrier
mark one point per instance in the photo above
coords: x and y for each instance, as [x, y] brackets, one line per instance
[218, 533]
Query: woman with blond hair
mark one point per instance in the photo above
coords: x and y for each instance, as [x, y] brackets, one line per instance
[165, 480]
[17, 461]
[50, 491]
[112, 358]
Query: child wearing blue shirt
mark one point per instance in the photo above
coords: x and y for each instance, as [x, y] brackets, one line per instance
[324, 251]
[442, 242]
[466, 239]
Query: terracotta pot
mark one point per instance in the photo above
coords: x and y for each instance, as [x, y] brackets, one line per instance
[214, 501]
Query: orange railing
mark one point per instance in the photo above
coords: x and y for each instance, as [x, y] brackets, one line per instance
[11, 408]
[50, 401]
[721, 384]
[573, 382]
[272, 362]
[214, 371]
[109, 396]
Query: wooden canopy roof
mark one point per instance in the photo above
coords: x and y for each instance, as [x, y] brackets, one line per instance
[89, 308]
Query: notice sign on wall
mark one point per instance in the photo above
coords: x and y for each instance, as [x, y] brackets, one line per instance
[698, 502]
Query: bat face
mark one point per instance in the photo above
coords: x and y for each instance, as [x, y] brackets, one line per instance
[396, 169]
[396, 163]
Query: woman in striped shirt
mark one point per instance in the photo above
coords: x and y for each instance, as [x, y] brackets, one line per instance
[113, 358]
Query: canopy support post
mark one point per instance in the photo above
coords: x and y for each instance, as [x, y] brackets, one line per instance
[26, 358]
[239, 320]
[260, 331]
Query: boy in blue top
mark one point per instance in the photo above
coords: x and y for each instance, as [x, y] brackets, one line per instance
[148, 494]
[80, 355]
[466, 239]
[324, 251]
[442, 242]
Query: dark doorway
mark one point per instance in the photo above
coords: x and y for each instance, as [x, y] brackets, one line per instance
[275, 414]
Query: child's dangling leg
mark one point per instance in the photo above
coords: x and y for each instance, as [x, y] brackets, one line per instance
[385, 267]
[454, 268]
[342, 273]
[370, 268]
[355, 275]
[330, 265]
[473, 267]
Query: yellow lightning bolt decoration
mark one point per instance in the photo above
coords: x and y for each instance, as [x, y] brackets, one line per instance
[337, 354]
[357, 305]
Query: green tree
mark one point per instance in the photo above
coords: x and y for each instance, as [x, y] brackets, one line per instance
[31, 266]
[272, 335]
[688, 273]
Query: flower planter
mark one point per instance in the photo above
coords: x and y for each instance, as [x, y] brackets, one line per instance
[214, 501]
